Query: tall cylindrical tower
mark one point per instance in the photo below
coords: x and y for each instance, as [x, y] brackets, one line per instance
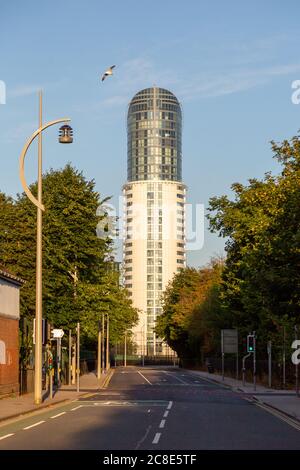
[154, 195]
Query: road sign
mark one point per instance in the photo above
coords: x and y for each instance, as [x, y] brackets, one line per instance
[229, 341]
[57, 333]
[45, 326]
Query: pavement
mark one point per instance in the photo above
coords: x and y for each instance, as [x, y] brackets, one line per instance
[12, 407]
[148, 408]
[284, 401]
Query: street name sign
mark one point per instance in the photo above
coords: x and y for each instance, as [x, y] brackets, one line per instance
[57, 333]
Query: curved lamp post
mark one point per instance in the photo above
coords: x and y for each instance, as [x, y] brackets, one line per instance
[65, 137]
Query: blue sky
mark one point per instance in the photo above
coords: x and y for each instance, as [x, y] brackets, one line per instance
[231, 64]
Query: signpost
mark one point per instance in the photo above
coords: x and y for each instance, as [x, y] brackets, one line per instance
[50, 370]
[78, 356]
[58, 333]
[251, 349]
[229, 345]
[269, 349]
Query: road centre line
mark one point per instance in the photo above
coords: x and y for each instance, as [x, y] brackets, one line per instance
[156, 438]
[166, 414]
[169, 405]
[6, 436]
[33, 425]
[144, 377]
[162, 423]
[59, 414]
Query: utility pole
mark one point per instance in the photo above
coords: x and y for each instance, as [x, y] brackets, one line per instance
[254, 361]
[78, 355]
[58, 341]
[70, 357]
[269, 349]
[125, 350]
[99, 351]
[38, 359]
[223, 354]
[283, 359]
[107, 344]
[296, 366]
[103, 338]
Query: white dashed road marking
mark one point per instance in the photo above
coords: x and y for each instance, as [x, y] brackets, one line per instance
[156, 438]
[7, 435]
[77, 407]
[33, 425]
[59, 414]
[166, 414]
[169, 405]
[162, 423]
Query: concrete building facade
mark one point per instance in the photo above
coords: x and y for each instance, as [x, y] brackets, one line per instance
[154, 208]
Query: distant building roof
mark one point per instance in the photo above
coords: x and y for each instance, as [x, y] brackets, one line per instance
[4, 274]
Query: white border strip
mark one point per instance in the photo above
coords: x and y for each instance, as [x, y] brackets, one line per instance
[145, 378]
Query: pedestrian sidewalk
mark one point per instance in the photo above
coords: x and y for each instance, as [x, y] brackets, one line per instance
[13, 407]
[285, 401]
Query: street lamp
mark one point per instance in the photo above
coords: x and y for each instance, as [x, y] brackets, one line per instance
[64, 137]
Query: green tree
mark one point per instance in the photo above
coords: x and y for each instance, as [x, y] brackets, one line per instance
[190, 310]
[75, 261]
[261, 277]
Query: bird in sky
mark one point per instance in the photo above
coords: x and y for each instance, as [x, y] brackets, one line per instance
[107, 73]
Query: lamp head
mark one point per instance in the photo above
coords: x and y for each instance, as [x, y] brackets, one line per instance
[65, 134]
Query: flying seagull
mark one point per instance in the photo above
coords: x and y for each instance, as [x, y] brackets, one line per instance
[108, 72]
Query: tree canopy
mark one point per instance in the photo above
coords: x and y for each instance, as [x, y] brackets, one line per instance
[78, 283]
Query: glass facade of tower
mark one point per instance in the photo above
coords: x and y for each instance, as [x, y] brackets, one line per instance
[154, 136]
[154, 182]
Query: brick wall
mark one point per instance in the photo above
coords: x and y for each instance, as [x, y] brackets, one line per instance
[9, 353]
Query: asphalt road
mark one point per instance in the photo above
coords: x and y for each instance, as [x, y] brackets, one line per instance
[154, 409]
